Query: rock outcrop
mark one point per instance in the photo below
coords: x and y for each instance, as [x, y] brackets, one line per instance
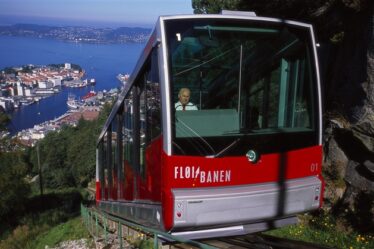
[349, 172]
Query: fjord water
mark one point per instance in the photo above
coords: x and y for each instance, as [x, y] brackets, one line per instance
[100, 61]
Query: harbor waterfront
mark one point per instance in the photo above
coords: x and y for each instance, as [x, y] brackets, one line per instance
[86, 110]
[102, 62]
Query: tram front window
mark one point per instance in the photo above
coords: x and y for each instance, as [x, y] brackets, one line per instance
[248, 81]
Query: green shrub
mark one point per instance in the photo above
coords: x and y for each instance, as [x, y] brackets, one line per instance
[13, 187]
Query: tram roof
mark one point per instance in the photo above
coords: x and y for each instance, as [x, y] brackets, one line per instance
[235, 15]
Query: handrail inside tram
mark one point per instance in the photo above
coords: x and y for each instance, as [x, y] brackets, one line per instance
[240, 29]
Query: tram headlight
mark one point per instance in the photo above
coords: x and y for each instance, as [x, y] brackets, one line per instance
[252, 156]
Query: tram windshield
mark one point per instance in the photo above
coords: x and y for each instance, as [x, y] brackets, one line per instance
[246, 79]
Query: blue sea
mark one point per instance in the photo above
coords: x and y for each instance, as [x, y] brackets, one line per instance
[100, 61]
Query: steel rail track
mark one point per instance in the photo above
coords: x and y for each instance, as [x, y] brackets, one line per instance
[262, 241]
[252, 241]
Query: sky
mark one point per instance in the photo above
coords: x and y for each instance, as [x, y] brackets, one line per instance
[105, 13]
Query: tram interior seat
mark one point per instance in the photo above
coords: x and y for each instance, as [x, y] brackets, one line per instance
[206, 123]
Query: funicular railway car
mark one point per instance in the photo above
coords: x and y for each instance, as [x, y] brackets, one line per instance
[246, 159]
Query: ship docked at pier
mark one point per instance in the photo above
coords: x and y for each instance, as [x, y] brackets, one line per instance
[78, 83]
[72, 102]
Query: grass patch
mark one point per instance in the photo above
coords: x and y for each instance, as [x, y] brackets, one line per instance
[71, 230]
[38, 236]
[50, 219]
[324, 230]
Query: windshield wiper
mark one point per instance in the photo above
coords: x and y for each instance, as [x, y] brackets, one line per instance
[196, 137]
[227, 148]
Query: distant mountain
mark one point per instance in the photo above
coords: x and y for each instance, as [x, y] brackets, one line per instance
[40, 28]
[21, 28]
[78, 34]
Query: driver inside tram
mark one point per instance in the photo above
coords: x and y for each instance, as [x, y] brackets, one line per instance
[184, 103]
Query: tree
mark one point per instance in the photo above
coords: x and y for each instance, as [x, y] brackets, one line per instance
[68, 157]
[213, 6]
[53, 158]
[13, 187]
[4, 119]
[81, 154]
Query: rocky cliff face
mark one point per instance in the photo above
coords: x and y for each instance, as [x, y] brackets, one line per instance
[349, 172]
[349, 135]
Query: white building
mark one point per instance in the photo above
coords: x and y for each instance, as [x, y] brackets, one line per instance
[20, 89]
[56, 81]
[28, 92]
[11, 91]
[67, 66]
[37, 135]
[44, 84]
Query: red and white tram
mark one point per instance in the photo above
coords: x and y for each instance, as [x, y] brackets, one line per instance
[248, 159]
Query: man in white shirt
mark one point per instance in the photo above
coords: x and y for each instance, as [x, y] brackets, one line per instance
[184, 103]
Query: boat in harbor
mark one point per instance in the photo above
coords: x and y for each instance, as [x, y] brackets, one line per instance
[44, 91]
[72, 102]
[91, 82]
[27, 101]
[75, 83]
[89, 97]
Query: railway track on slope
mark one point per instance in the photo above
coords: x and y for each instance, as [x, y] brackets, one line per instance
[114, 232]
[261, 241]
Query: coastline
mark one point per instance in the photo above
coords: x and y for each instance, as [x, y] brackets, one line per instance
[30, 136]
[78, 34]
[101, 62]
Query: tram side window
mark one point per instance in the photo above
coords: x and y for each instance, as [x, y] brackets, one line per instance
[101, 161]
[150, 101]
[108, 168]
[153, 99]
[105, 164]
[127, 131]
[114, 155]
[119, 154]
[142, 128]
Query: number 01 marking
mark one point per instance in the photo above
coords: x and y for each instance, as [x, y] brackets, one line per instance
[314, 167]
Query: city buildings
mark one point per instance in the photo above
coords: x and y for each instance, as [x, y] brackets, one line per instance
[29, 83]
